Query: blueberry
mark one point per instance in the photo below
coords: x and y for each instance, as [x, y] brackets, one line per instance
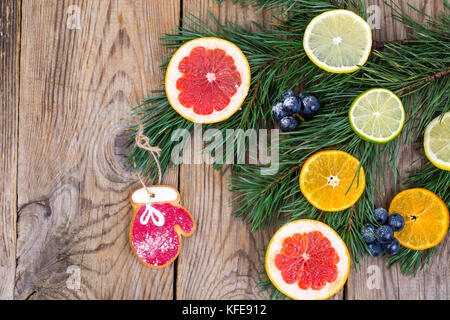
[393, 247]
[287, 94]
[396, 222]
[368, 233]
[375, 249]
[300, 97]
[380, 215]
[288, 123]
[384, 234]
[278, 111]
[383, 246]
[307, 114]
[310, 103]
[291, 105]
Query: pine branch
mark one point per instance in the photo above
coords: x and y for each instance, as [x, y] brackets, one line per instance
[400, 68]
[416, 69]
[286, 6]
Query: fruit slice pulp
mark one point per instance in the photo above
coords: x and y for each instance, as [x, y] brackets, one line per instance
[437, 141]
[326, 178]
[338, 41]
[377, 115]
[426, 218]
[308, 259]
[209, 79]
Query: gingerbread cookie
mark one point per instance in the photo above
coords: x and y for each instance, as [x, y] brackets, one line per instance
[157, 225]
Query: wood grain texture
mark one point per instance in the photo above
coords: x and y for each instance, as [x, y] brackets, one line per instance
[223, 258]
[432, 283]
[78, 87]
[391, 29]
[9, 93]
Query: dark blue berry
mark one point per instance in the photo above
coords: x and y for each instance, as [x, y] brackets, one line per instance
[380, 215]
[368, 233]
[375, 249]
[288, 123]
[393, 247]
[307, 114]
[310, 103]
[300, 97]
[278, 111]
[383, 246]
[384, 234]
[396, 222]
[291, 105]
[287, 94]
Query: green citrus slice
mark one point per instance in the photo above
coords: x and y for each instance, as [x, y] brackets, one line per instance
[437, 141]
[377, 115]
[338, 41]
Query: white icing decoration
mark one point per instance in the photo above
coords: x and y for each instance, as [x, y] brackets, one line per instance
[151, 212]
[162, 194]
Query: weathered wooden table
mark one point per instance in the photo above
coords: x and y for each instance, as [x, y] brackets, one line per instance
[67, 91]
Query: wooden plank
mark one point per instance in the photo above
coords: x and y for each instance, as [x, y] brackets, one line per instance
[373, 281]
[393, 30]
[78, 88]
[223, 258]
[9, 93]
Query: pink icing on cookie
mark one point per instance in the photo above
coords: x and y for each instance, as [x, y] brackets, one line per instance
[153, 235]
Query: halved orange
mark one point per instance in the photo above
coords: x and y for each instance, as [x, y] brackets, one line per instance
[426, 218]
[328, 181]
[307, 260]
[207, 80]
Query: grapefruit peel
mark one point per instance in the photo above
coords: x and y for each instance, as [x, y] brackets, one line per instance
[293, 290]
[197, 90]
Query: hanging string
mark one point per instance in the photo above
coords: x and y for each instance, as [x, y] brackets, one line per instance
[143, 142]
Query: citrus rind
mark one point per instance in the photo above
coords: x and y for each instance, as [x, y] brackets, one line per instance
[173, 74]
[293, 291]
[367, 137]
[335, 69]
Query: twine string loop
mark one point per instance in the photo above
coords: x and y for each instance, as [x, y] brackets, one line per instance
[143, 142]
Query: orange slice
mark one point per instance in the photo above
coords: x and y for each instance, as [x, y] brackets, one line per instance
[207, 80]
[326, 177]
[307, 260]
[426, 218]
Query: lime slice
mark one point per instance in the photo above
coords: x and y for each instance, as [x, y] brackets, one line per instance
[338, 41]
[437, 142]
[377, 115]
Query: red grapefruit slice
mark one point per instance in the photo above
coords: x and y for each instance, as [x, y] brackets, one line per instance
[207, 80]
[307, 260]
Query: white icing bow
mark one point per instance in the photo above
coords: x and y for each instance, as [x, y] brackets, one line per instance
[152, 212]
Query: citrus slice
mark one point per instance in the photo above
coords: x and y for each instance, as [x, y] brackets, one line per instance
[338, 41]
[307, 260]
[437, 142]
[426, 218]
[377, 115]
[326, 178]
[207, 80]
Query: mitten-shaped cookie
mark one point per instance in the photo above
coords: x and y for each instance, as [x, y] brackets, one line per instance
[158, 223]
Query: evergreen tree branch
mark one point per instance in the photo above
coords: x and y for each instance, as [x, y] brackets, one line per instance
[415, 69]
